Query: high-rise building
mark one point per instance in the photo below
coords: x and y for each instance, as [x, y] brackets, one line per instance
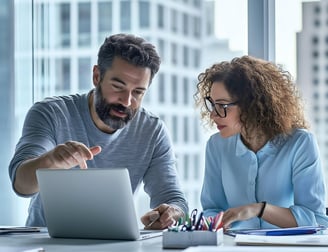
[67, 36]
[312, 70]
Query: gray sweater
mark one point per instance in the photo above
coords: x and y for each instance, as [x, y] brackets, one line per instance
[143, 147]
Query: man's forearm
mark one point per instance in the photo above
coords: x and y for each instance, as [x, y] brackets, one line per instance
[25, 181]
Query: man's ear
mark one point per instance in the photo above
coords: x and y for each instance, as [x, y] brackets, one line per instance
[96, 75]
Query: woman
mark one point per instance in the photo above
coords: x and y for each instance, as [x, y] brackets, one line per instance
[263, 167]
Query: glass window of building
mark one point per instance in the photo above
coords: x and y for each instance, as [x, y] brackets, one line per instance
[196, 58]
[186, 91]
[185, 129]
[161, 49]
[197, 3]
[64, 19]
[105, 20]
[144, 14]
[196, 130]
[125, 15]
[63, 74]
[160, 16]
[40, 27]
[85, 81]
[185, 26]
[175, 129]
[197, 27]
[186, 167]
[186, 56]
[174, 88]
[161, 88]
[196, 172]
[174, 20]
[84, 24]
[174, 53]
[304, 57]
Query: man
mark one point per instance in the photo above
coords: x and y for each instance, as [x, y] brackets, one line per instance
[105, 128]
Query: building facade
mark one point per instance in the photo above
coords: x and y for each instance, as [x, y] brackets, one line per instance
[66, 38]
[312, 70]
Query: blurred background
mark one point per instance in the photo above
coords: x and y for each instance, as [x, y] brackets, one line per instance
[48, 47]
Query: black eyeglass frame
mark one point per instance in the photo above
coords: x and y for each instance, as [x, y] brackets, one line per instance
[212, 106]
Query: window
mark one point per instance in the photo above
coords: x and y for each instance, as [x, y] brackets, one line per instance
[174, 88]
[196, 164]
[185, 91]
[196, 27]
[186, 129]
[197, 58]
[174, 53]
[56, 47]
[315, 40]
[315, 54]
[160, 16]
[84, 74]
[64, 14]
[161, 89]
[174, 21]
[125, 17]
[161, 49]
[175, 129]
[105, 16]
[185, 26]
[186, 167]
[185, 56]
[63, 75]
[144, 14]
[84, 23]
[315, 68]
[196, 130]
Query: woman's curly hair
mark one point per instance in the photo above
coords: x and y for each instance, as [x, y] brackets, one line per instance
[267, 97]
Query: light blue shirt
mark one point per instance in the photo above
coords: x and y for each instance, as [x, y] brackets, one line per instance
[143, 146]
[288, 175]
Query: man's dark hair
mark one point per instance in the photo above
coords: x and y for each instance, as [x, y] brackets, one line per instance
[133, 49]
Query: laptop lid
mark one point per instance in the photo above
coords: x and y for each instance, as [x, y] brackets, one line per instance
[89, 203]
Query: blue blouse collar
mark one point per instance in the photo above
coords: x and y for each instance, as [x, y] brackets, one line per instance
[241, 149]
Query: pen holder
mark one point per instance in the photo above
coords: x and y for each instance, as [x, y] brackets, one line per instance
[192, 238]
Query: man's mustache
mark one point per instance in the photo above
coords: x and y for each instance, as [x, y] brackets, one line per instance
[120, 108]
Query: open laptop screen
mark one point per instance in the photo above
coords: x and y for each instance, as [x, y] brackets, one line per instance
[88, 203]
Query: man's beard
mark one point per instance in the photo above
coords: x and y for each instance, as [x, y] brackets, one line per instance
[103, 111]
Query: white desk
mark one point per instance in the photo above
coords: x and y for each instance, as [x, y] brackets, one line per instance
[26, 242]
[23, 242]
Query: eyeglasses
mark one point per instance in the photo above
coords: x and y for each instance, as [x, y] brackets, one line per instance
[219, 108]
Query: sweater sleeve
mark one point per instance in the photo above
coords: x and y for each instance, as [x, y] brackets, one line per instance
[37, 137]
[161, 181]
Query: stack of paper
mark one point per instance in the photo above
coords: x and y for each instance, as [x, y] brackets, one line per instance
[17, 229]
[295, 240]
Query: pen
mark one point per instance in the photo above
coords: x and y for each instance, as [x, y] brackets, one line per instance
[35, 250]
[197, 225]
[218, 221]
[153, 218]
[291, 232]
[280, 231]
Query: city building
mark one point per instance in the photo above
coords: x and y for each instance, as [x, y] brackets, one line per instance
[66, 38]
[312, 70]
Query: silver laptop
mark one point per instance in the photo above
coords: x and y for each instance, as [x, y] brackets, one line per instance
[90, 203]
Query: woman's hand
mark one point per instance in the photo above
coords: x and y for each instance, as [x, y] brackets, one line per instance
[241, 213]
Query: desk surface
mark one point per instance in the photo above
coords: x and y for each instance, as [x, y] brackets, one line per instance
[26, 242]
[32, 241]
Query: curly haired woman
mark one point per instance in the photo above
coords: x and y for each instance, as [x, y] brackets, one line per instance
[263, 167]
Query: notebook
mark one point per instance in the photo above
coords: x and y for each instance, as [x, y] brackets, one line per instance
[90, 203]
